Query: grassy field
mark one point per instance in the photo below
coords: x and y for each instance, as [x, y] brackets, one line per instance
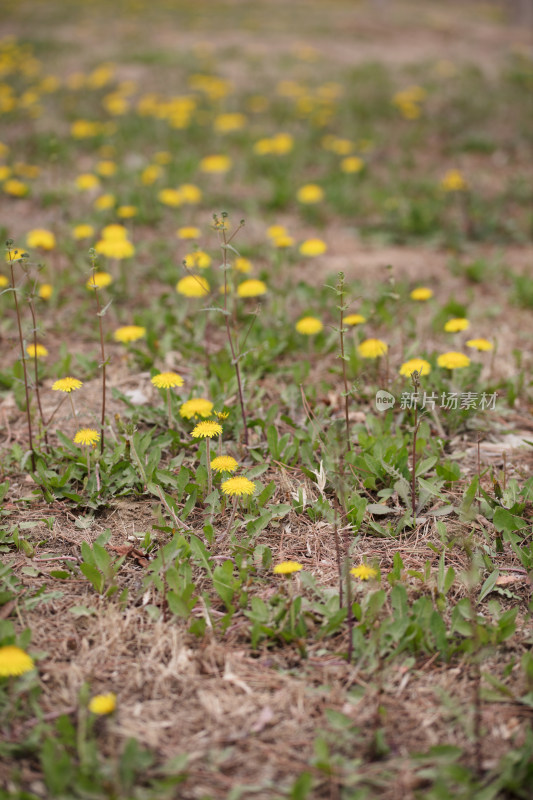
[265, 399]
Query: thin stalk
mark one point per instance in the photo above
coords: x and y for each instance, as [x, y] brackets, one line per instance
[341, 308]
[102, 356]
[234, 355]
[232, 516]
[36, 369]
[169, 409]
[208, 460]
[23, 357]
[415, 378]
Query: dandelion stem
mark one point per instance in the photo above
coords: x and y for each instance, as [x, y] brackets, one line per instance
[341, 307]
[102, 354]
[72, 404]
[169, 408]
[37, 392]
[208, 459]
[23, 357]
[230, 523]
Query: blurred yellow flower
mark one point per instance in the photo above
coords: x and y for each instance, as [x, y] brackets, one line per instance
[456, 324]
[14, 661]
[363, 572]
[167, 380]
[38, 351]
[215, 164]
[287, 568]
[99, 280]
[188, 232]
[15, 188]
[372, 348]
[193, 286]
[102, 704]
[190, 194]
[354, 319]
[251, 288]
[87, 181]
[127, 212]
[310, 193]
[243, 265]
[226, 123]
[129, 333]
[45, 291]
[453, 181]
[421, 293]
[197, 259]
[196, 407]
[415, 365]
[313, 247]
[104, 202]
[106, 168]
[83, 231]
[453, 360]
[352, 164]
[170, 197]
[309, 326]
[480, 344]
[39, 237]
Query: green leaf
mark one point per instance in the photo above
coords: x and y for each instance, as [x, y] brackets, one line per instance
[506, 522]
[489, 585]
[93, 576]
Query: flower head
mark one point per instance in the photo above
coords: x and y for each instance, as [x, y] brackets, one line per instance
[114, 233]
[415, 365]
[115, 248]
[170, 197]
[287, 568]
[3, 281]
[206, 430]
[197, 259]
[83, 231]
[224, 464]
[188, 232]
[480, 344]
[193, 286]
[102, 704]
[45, 291]
[42, 238]
[363, 572]
[313, 247]
[352, 164]
[421, 293]
[14, 661]
[372, 348]
[453, 181]
[15, 188]
[99, 280]
[453, 360]
[216, 163]
[456, 324]
[167, 380]
[354, 319]
[86, 436]
[87, 181]
[310, 193]
[237, 487]
[251, 288]
[67, 385]
[129, 333]
[309, 326]
[14, 254]
[282, 242]
[127, 212]
[36, 351]
[190, 194]
[196, 407]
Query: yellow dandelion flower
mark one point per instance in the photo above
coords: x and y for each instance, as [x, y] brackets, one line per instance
[39, 237]
[274, 231]
[421, 293]
[372, 348]
[456, 324]
[170, 197]
[14, 254]
[310, 193]
[251, 288]
[354, 319]
[104, 202]
[99, 280]
[83, 232]
[215, 164]
[222, 414]
[242, 264]
[227, 123]
[206, 430]
[453, 360]
[150, 174]
[196, 407]
[287, 568]
[46, 291]
[313, 247]
[106, 168]
[283, 241]
[480, 344]
[190, 194]
[238, 486]
[87, 181]
[129, 333]
[167, 380]
[36, 351]
[87, 437]
[198, 259]
[16, 188]
[188, 232]
[67, 385]
[352, 164]
[14, 661]
[415, 365]
[453, 181]
[363, 572]
[84, 129]
[127, 212]
[3, 282]
[115, 248]
[5, 172]
[309, 326]
[224, 464]
[102, 704]
[193, 286]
